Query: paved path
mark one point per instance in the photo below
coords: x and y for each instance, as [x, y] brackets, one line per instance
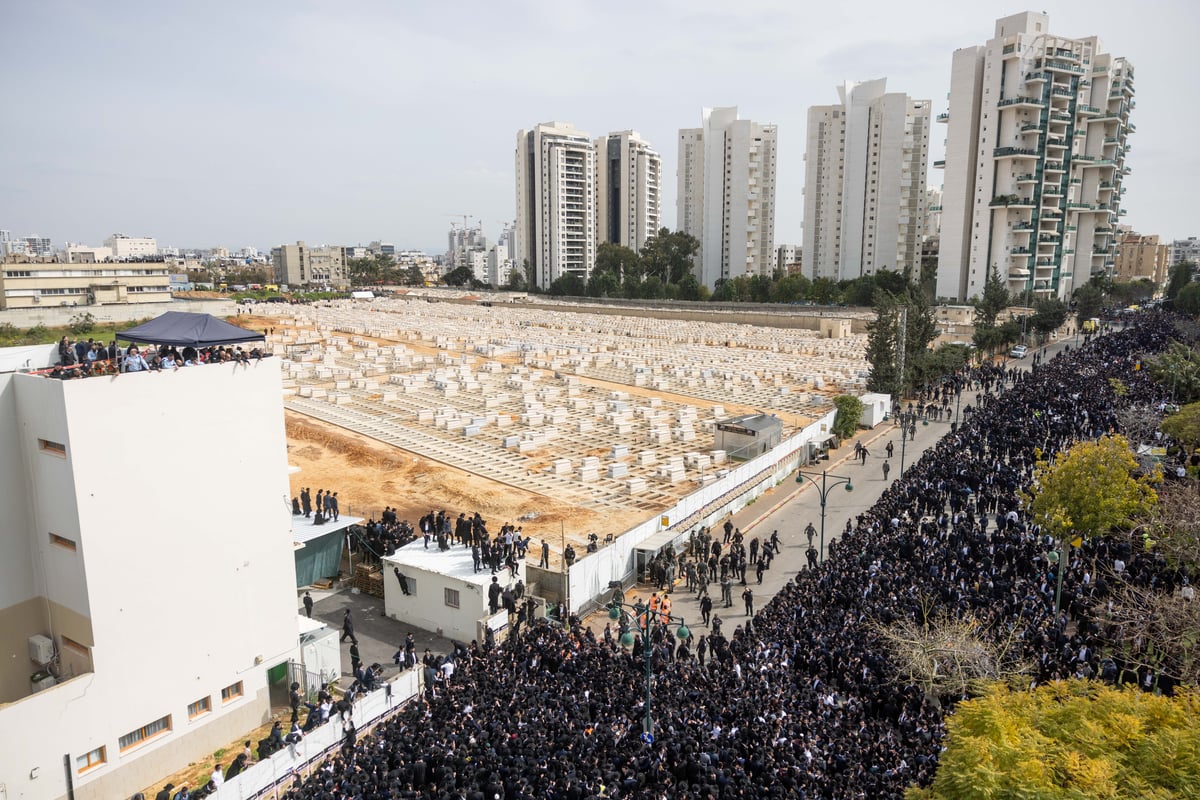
[789, 507]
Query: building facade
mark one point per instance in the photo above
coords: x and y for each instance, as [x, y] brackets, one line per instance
[1185, 250]
[726, 194]
[864, 187]
[789, 259]
[555, 233]
[1142, 258]
[126, 247]
[628, 190]
[1035, 159]
[136, 633]
[300, 265]
[27, 282]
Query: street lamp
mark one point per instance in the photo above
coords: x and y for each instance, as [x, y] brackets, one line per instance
[823, 489]
[643, 618]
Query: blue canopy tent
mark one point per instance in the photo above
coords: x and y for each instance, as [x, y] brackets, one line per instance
[182, 328]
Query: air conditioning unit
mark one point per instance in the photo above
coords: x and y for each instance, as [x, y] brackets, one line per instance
[41, 680]
[41, 649]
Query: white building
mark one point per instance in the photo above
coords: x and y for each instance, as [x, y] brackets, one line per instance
[124, 247]
[726, 194]
[789, 258]
[1035, 157]
[447, 594]
[556, 216]
[146, 574]
[628, 190]
[1185, 250]
[864, 184]
[933, 213]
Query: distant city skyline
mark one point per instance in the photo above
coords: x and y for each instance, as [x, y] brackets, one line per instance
[235, 125]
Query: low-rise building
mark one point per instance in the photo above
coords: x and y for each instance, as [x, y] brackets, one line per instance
[1142, 258]
[28, 282]
[300, 265]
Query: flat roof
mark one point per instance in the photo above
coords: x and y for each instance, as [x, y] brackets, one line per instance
[754, 422]
[455, 562]
[303, 529]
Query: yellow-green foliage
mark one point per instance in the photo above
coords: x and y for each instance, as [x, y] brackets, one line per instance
[1091, 489]
[1076, 740]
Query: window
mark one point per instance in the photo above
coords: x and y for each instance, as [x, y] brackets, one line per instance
[231, 692]
[145, 733]
[53, 448]
[89, 760]
[63, 542]
[200, 707]
[71, 644]
[452, 598]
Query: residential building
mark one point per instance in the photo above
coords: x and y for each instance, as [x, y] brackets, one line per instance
[933, 213]
[382, 248]
[789, 259]
[726, 194]
[556, 215]
[300, 265]
[1185, 250]
[126, 247]
[466, 241]
[864, 187]
[1035, 158]
[628, 190]
[137, 633]
[28, 282]
[86, 254]
[1142, 258]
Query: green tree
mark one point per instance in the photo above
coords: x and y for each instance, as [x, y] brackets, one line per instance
[617, 260]
[849, 415]
[603, 283]
[1188, 299]
[669, 255]
[1177, 369]
[363, 270]
[690, 288]
[414, 276]
[1070, 741]
[569, 284]
[1179, 277]
[1184, 426]
[462, 276]
[992, 302]
[1090, 489]
[1049, 313]
[516, 280]
[859, 291]
[1088, 300]
[882, 343]
[790, 289]
[824, 292]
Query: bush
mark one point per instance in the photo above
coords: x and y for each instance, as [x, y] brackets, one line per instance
[82, 323]
[849, 415]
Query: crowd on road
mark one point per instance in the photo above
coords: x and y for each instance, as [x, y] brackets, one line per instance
[800, 699]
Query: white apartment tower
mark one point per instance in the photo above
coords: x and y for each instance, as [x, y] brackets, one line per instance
[864, 184]
[628, 189]
[1035, 158]
[556, 216]
[726, 194]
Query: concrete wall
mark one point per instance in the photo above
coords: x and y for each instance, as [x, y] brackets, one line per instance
[56, 316]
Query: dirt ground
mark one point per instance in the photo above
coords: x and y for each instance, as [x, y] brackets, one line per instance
[368, 475]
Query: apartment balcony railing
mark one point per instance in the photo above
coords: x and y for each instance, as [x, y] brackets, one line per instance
[1015, 152]
[1028, 177]
[943, 117]
[1086, 109]
[1062, 66]
[1020, 101]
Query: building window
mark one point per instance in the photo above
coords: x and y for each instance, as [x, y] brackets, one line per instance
[90, 760]
[452, 598]
[77, 647]
[200, 707]
[147, 732]
[53, 448]
[231, 692]
[63, 542]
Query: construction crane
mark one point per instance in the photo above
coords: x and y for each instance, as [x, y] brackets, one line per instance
[465, 217]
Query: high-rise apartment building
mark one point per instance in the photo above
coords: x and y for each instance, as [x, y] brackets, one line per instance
[726, 194]
[1035, 157]
[1185, 250]
[864, 186]
[556, 214]
[1142, 258]
[628, 190]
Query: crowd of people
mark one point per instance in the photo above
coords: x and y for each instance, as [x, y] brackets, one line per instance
[81, 359]
[800, 700]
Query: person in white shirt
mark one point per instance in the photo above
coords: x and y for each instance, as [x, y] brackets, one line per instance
[217, 777]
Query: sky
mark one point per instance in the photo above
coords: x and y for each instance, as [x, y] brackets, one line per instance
[256, 123]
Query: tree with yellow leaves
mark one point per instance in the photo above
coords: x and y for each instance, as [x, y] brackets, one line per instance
[1070, 740]
[1091, 489]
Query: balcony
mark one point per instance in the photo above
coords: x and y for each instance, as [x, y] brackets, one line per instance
[944, 117]
[1059, 116]
[1053, 166]
[1092, 161]
[1063, 66]
[1014, 152]
[1011, 201]
[1028, 177]
[1031, 102]
[1087, 110]
[1062, 91]
[1022, 227]
[1018, 272]
[935, 208]
[1081, 206]
[1099, 70]
[1037, 77]
[1031, 127]
[1020, 251]
[1059, 143]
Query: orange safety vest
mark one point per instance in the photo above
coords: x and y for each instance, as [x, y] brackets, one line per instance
[666, 610]
[654, 603]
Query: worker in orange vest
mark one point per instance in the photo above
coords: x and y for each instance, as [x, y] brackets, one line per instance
[666, 610]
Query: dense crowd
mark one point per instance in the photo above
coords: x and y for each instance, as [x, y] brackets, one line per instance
[801, 701]
[82, 359]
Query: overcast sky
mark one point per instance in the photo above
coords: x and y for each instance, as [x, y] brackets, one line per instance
[259, 122]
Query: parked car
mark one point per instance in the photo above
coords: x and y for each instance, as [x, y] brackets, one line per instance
[1020, 351]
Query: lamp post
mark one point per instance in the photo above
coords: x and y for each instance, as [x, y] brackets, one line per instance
[643, 618]
[823, 489]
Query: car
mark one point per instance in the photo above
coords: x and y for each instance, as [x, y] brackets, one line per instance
[1020, 351]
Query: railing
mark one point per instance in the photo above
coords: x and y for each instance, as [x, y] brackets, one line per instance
[1000, 152]
[1013, 101]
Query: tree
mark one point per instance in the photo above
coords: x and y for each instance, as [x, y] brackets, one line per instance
[690, 288]
[1049, 313]
[516, 279]
[1179, 277]
[824, 292]
[882, 343]
[849, 415]
[1188, 299]
[993, 301]
[1177, 369]
[1175, 527]
[1091, 489]
[669, 255]
[1156, 630]
[617, 260]
[462, 276]
[1068, 741]
[414, 276]
[790, 289]
[569, 284]
[1088, 300]
[603, 283]
[1184, 426]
